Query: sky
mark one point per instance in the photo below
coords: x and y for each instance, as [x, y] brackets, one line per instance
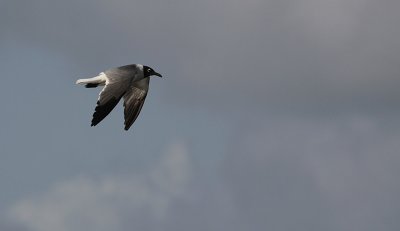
[271, 115]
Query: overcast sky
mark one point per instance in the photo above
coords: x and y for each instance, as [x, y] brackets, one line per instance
[272, 115]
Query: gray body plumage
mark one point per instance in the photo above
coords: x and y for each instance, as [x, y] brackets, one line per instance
[130, 83]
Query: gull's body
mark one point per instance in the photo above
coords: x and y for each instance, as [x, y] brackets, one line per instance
[130, 82]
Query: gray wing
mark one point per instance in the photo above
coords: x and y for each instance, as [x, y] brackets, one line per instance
[117, 83]
[134, 100]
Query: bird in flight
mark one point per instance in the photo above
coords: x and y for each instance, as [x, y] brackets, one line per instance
[130, 82]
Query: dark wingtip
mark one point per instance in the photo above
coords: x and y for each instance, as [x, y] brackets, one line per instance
[101, 111]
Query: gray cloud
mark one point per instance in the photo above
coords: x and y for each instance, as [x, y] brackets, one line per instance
[269, 68]
[286, 174]
[8, 226]
[315, 175]
[278, 55]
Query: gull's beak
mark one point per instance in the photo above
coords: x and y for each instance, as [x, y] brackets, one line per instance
[158, 74]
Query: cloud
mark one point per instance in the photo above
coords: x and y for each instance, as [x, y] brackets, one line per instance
[291, 60]
[108, 203]
[278, 173]
[7, 226]
[308, 174]
[287, 56]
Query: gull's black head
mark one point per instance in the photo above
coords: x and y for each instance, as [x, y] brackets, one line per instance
[148, 71]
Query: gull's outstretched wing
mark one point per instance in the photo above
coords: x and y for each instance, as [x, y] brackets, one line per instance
[115, 88]
[134, 100]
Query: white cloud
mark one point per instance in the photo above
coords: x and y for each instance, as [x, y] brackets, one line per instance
[109, 203]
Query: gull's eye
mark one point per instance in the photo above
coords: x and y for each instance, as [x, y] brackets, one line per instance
[148, 70]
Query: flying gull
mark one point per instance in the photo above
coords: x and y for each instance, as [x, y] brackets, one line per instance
[130, 82]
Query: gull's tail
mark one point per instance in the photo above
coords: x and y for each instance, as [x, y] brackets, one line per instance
[93, 82]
